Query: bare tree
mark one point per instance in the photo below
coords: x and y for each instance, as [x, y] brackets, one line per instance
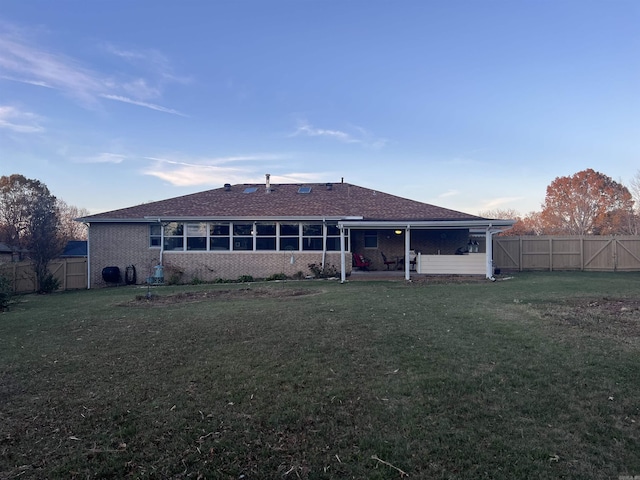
[45, 242]
[69, 228]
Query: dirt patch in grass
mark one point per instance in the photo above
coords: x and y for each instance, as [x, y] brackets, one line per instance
[615, 318]
[153, 299]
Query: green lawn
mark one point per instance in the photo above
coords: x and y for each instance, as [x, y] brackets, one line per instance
[536, 376]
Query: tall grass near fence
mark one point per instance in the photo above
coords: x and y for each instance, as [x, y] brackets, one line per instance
[532, 377]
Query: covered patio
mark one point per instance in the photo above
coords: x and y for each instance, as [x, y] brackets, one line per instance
[457, 247]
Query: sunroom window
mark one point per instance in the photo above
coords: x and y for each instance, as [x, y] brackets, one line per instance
[243, 236]
[248, 236]
[219, 236]
[174, 236]
[312, 236]
[333, 238]
[289, 236]
[265, 236]
[197, 236]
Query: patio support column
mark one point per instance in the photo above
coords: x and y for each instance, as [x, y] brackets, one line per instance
[343, 263]
[489, 253]
[407, 249]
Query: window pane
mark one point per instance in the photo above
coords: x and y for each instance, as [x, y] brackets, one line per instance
[267, 243]
[370, 239]
[221, 243]
[173, 243]
[243, 243]
[312, 230]
[289, 243]
[266, 229]
[174, 229]
[196, 229]
[196, 243]
[333, 230]
[219, 229]
[289, 229]
[333, 244]
[312, 243]
[155, 235]
[242, 228]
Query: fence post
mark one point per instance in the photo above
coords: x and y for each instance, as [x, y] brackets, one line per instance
[520, 253]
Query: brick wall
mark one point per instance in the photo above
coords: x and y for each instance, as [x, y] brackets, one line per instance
[120, 245]
[208, 266]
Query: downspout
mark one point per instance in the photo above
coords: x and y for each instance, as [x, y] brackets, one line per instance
[161, 240]
[343, 263]
[324, 242]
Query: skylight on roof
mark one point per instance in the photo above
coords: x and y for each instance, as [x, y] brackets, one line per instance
[304, 190]
[250, 189]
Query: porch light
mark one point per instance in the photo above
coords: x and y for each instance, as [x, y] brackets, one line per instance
[398, 232]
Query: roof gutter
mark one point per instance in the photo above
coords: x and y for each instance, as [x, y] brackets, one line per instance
[496, 225]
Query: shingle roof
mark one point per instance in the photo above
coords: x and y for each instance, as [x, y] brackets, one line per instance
[284, 200]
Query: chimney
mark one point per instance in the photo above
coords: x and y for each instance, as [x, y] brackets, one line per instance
[268, 182]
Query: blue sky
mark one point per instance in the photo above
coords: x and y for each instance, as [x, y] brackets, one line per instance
[470, 105]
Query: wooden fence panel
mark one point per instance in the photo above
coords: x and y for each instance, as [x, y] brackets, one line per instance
[506, 253]
[535, 253]
[566, 253]
[628, 254]
[76, 274]
[594, 253]
[70, 272]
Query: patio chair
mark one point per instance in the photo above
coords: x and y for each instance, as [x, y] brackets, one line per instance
[388, 262]
[413, 260]
[360, 262]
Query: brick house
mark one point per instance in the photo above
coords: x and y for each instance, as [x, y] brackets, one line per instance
[266, 229]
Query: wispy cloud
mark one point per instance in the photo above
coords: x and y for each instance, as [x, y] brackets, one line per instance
[358, 135]
[152, 106]
[449, 193]
[23, 60]
[187, 172]
[500, 201]
[104, 157]
[19, 121]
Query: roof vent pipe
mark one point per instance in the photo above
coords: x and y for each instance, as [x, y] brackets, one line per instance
[268, 182]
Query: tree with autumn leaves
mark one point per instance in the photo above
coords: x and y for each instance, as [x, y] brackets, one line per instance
[586, 203]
